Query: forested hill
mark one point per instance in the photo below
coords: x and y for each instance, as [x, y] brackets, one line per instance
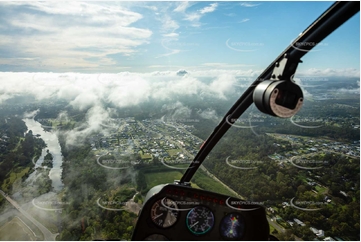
[273, 182]
[86, 184]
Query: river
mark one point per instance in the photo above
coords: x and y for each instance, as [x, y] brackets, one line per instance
[51, 140]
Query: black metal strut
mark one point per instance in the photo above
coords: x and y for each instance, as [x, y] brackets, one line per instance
[323, 26]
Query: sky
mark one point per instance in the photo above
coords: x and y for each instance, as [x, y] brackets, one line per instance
[114, 37]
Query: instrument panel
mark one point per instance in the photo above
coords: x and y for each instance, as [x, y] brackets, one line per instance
[176, 212]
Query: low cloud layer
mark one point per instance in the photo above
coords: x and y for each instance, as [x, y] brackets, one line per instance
[101, 94]
[96, 93]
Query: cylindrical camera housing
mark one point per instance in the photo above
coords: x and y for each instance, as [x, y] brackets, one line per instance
[278, 98]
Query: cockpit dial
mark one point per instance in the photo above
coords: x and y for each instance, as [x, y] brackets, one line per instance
[232, 226]
[164, 212]
[200, 220]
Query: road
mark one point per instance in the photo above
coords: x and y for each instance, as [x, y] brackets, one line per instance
[274, 224]
[189, 154]
[202, 167]
[280, 228]
[133, 206]
[191, 157]
[48, 236]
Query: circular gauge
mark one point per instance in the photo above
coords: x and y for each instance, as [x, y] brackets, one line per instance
[164, 212]
[156, 237]
[232, 226]
[200, 220]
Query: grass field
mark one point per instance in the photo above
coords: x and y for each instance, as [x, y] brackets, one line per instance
[47, 218]
[173, 152]
[271, 229]
[18, 174]
[157, 178]
[200, 181]
[16, 230]
[145, 156]
[207, 183]
[56, 122]
[322, 190]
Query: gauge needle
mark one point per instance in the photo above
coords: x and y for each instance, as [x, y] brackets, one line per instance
[158, 216]
[194, 224]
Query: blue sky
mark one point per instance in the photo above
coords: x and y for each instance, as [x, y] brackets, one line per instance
[114, 37]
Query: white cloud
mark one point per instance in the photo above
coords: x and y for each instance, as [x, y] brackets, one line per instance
[134, 90]
[348, 72]
[126, 89]
[249, 5]
[182, 7]
[212, 7]
[176, 111]
[153, 8]
[31, 114]
[95, 117]
[209, 114]
[5, 96]
[68, 35]
[171, 35]
[169, 24]
[223, 85]
[244, 20]
[306, 93]
[349, 91]
[194, 17]
[84, 100]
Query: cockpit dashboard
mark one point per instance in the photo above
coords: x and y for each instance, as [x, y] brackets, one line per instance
[178, 212]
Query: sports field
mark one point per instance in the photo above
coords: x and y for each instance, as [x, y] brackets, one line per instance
[16, 230]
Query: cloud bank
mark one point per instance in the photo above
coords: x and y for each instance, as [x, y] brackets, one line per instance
[101, 95]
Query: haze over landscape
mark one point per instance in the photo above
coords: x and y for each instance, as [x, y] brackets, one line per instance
[145, 83]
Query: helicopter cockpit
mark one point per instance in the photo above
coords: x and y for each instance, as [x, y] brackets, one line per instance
[179, 120]
[178, 211]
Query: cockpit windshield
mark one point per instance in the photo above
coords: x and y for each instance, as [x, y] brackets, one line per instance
[102, 101]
